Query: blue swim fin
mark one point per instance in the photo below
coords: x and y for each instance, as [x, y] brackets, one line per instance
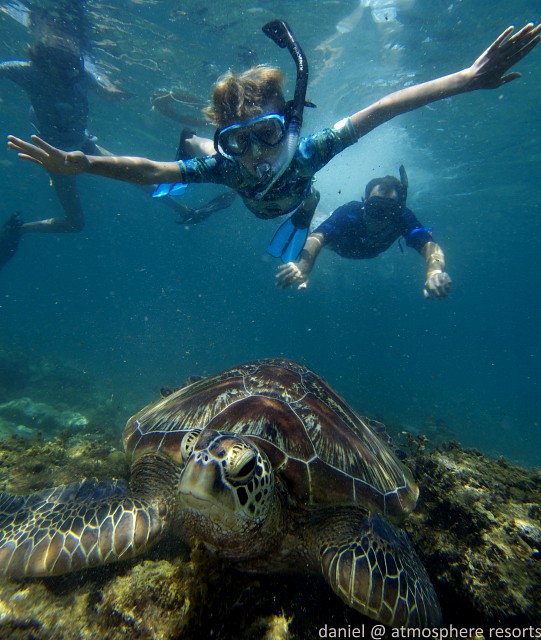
[288, 241]
[177, 188]
[174, 189]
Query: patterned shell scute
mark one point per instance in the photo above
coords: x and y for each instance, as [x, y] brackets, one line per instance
[161, 426]
[323, 451]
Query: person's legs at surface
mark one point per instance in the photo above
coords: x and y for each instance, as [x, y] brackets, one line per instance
[68, 196]
[10, 234]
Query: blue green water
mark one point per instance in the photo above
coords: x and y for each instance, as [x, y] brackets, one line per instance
[139, 302]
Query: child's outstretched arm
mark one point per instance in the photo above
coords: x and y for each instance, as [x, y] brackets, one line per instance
[127, 169]
[487, 72]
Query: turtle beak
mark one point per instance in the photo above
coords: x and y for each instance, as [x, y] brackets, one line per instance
[201, 482]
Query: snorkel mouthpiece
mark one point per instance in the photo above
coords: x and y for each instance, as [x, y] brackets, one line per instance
[264, 170]
[280, 33]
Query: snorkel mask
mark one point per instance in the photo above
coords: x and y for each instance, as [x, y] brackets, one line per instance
[234, 141]
[383, 207]
[271, 129]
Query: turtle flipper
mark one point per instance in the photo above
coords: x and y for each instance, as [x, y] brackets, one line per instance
[73, 527]
[372, 566]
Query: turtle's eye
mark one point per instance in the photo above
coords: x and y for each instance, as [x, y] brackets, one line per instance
[188, 443]
[247, 469]
[242, 464]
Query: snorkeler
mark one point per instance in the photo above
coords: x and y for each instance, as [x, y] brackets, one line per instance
[258, 151]
[57, 82]
[361, 230]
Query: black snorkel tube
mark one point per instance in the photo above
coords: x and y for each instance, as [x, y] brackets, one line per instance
[405, 183]
[280, 33]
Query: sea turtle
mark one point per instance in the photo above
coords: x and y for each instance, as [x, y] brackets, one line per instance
[265, 464]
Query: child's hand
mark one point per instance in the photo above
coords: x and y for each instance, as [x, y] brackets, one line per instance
[50, 158]
[289, 274]
[488, 71]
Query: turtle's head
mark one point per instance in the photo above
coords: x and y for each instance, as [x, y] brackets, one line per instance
[226, 487]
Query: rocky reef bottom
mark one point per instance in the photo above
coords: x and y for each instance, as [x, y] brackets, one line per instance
[477, 529]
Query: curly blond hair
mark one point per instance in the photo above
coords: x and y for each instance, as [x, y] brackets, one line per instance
[241, 97]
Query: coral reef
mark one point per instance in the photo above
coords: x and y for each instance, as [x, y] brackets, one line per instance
[477, 529]
[25, 416]
[31, 464]
[33, 385]
[40, 377]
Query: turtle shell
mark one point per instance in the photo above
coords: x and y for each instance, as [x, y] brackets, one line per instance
[323, 452]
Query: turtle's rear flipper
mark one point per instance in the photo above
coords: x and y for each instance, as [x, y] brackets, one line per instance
[73, 527]
[372, 566]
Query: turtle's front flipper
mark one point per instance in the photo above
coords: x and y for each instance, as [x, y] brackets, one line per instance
[372, 566]
[74, 526]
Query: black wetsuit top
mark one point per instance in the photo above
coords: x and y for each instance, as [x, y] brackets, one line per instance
[59, 108]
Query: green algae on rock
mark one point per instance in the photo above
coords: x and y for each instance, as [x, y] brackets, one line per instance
[268, 467]
[478, 529]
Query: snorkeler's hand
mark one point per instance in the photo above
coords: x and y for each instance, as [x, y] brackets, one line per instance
[437, 285]
[488, 71]
[50, 158]
[289, 274]
[118, 95]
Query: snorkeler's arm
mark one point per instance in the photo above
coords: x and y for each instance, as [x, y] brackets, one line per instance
[487, 72]
[16, 71]
[105, 89]
[438, 283]
[127, 169]
[298, 272]
[135, 170]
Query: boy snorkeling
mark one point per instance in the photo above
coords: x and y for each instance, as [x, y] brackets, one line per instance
[258, 151]
[361, 230]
